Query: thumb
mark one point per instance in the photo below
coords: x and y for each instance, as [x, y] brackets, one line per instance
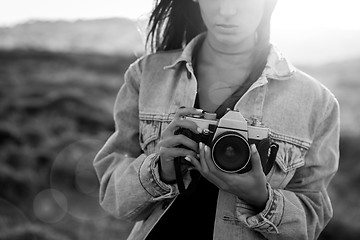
[255, 159]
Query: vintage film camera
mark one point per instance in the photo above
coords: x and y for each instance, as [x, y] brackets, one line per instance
[229, 139]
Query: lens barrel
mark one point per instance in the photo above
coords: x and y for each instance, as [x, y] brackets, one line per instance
[231, 152]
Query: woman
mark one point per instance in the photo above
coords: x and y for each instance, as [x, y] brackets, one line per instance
[210, 55]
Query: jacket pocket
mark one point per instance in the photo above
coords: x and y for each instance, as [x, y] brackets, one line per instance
[290, 156]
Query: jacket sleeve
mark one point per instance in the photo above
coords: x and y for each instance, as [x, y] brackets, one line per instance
[129, 179]
[303, 208]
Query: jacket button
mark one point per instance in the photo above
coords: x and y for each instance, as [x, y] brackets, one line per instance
[254, 221]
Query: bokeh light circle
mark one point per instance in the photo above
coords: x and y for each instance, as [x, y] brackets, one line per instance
[50, 206]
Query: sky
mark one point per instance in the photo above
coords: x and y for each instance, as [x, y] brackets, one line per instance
[302, 14]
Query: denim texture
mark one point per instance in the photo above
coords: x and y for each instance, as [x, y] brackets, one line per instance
[303, 117]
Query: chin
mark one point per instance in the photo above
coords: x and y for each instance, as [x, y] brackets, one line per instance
[229, 39]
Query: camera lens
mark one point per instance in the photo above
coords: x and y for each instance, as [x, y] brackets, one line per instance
[231, 152]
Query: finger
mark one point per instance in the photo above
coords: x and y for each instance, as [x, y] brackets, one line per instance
[208, 168]
[255, 159]
[206, 162]
[204, 166]
[188, 124]
[179, 140]
[168, 154]
[181, 123]
[209, 160]
[194, 161]
[217, 174]
[183, 111]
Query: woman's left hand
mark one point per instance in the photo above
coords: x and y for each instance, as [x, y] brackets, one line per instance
[249, 186]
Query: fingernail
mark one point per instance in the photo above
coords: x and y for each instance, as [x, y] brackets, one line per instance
[187, 158]
[253, 147]
[198, 155]
[199, 110]
[201, 145]
[199, 130]
[207, 149]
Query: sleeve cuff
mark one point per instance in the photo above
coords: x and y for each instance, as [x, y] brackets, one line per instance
[150, 179]
[269, 219]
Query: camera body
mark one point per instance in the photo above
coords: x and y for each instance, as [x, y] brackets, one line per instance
[229, 139]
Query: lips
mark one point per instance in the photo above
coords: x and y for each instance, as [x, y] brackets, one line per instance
[226, 25]
[226, 28]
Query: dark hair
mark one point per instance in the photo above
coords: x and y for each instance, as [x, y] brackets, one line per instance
[174, 23]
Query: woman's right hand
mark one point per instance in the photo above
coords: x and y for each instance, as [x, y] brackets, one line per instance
[170, 143]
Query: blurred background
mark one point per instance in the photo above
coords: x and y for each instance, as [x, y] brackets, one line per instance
[61, 66]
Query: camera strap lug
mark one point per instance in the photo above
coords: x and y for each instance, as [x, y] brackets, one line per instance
[274, 147]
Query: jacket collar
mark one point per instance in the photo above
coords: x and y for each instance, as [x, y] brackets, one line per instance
[277, 67]
[187, 52]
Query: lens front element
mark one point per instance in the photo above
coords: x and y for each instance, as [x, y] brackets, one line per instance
[231, 152]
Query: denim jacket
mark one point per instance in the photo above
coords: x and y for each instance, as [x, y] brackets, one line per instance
[303, 118]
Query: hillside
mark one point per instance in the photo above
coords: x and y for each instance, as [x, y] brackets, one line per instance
[116, 36]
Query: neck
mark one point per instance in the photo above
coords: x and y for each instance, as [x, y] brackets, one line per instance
[227, 56]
